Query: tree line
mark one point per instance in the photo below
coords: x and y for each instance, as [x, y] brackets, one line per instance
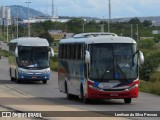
[78, 25]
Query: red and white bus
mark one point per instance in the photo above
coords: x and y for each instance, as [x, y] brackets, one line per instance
[99, 66]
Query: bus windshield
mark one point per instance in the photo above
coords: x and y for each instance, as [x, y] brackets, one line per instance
[33, 57]
[113, 61]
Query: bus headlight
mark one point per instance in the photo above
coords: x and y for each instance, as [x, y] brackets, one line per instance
[96, 88]
[46, 71]
[132, 87]
[21, 71]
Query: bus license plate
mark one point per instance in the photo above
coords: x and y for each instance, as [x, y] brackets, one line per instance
[113, 94]
[34, 77]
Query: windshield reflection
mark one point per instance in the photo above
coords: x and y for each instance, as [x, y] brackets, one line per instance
[33, 57]
[113, 61]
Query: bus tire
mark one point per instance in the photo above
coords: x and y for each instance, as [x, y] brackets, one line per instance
[127, 100]
[84, 99]
[44, 81]
[12, 79]
[10, 73]
[69, 96]
[17, 80]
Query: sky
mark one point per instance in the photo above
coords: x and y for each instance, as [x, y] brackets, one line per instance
[93, 8]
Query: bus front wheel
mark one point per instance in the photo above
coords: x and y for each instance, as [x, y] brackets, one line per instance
[84, 99]
[44, 81]
[10, 73]
[127, 100]
[69, 96]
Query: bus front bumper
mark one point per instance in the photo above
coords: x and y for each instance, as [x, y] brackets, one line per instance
[34, 77]
[94, 93]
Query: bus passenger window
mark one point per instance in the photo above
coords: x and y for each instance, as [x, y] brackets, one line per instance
[72, 51]
[65, 51]
[76, 51]
[79, 51]
[60, 51]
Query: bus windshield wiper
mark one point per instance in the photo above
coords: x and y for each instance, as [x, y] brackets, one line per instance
[121, 71]
[106, 70]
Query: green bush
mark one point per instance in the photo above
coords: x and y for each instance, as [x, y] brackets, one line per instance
[150, 87]
[54, 63]
[4, 53]
[151, 64]
[155, 77]
[147, 44]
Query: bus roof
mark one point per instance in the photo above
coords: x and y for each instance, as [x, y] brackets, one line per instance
[99, 39]
[30, 41]
[93, 34]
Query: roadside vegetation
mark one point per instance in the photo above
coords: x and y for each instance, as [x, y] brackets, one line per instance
[4, 53]
[149, 72]
[153, 85]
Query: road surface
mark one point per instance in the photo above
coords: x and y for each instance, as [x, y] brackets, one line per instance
[36, 96]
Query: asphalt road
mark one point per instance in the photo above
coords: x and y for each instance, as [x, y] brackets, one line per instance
[49, 94]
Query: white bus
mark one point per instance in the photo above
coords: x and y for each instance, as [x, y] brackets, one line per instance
[99, 66]
[30, 59]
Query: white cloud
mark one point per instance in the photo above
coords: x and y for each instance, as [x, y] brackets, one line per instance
[94, 8]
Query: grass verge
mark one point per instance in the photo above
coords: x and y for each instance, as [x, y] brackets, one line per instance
[54, 63]
[152, 86]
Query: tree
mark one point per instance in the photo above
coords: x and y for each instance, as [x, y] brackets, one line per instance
[147, 23]
[47, 36]
[151, 64]
[48, 25]
[152, 58]
[147, 44]
[75, 25]
[134, 21]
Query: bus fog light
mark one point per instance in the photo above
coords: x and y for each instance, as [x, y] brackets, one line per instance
[90, 86]
[136, 85]
[126, 90]
[96, 88]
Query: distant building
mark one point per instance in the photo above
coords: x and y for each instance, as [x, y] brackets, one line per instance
[5, 15]
[156, 23]
[56, 34]
[38, 20]
[156, 32]
[59, 34]
[143, 38]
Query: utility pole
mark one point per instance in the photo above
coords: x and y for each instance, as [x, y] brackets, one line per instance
[83, 26]
[7, 28]
[28, 19]
[137, 33]
[17, 20]
[109, 18]
[7, 20]
[53, 11]
[131, 31]
[102, 25]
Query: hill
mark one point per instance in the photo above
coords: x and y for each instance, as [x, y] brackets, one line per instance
[23, 12]
[126, 19]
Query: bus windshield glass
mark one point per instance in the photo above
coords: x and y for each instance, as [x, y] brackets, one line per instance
[33, 57]
[110, 61]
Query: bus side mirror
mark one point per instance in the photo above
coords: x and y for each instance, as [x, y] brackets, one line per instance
[51, 52]
[87, 57]
[141, 58]
[16, 52]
